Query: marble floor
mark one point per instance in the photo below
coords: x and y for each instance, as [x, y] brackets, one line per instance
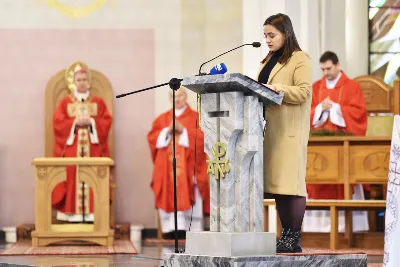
[149, 256]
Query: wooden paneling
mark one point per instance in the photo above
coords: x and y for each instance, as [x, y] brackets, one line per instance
[348, 160]
[369, 164]
[324, 163]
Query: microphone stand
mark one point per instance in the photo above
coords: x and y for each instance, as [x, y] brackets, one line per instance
[255, 44]
[174, 84]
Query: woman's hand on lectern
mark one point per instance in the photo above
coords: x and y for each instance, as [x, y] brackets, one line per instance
[272, 87]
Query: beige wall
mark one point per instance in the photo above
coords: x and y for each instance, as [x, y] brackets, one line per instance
[135, 44]
[22, 103]
[210, 28]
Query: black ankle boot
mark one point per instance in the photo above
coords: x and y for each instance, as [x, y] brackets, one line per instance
[283, 236]
[290, 243]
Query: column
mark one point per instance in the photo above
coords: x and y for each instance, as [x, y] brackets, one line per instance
[333, 31]
[357, 40]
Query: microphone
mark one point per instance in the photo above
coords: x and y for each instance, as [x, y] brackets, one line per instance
[254, 44]
[218, 69]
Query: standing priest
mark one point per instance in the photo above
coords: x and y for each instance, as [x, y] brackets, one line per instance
[191, 169]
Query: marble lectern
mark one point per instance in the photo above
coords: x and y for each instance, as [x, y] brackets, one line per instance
[232, 120]
[233, 124]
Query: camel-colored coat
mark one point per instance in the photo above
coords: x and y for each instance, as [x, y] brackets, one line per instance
[288, 127]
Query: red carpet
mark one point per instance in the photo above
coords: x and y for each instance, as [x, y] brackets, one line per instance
[24, 248]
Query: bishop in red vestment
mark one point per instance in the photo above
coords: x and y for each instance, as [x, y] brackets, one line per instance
[81, 124]
[192, 178]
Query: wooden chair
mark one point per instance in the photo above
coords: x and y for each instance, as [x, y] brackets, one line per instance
[380, 98]
[59, 86]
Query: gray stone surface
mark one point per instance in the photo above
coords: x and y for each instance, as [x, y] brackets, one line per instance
[210, 127]
[230, 244]
[232, 120]
[236, 198]
[232, 82]
[231, 129]
[347, 260]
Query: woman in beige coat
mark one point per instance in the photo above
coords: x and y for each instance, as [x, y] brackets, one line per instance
[286, 69]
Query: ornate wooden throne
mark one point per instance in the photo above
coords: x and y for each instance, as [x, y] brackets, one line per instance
[59, 86]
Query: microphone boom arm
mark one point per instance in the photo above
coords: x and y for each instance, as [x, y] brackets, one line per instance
[218, 57]
[254, 44]
[174, 84]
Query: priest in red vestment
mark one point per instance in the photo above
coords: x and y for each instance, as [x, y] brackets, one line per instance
[191, 171]
[81, 125]
[338, 106]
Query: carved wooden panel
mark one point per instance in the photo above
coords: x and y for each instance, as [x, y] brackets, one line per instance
[376, 94]
[50, 172]
[324, 164]
[369, 164]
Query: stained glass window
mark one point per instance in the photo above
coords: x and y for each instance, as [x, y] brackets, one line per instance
[384, 39]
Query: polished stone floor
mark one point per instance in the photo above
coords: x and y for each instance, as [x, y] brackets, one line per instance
[149, 256]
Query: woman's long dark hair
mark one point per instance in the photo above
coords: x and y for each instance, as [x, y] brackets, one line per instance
[283, 24]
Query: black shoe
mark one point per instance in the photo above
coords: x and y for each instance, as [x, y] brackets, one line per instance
[283, 236]
[290, 243]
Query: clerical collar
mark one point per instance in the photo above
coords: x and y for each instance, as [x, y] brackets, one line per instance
[179, 112]
[81, 96]
[330, 84]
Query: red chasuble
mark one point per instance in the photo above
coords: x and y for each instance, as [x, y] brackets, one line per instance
[347, 93]
[162, 183]
[65, 196]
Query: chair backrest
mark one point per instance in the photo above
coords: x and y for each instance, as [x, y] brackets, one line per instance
[60, 86]
[382, 102]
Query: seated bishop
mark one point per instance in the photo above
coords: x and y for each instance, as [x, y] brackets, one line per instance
[81, 125]
[191, 169]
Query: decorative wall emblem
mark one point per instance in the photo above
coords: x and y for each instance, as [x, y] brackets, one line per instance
[76, 8]
[218, 166]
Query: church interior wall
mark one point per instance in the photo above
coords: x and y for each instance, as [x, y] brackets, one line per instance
[136, 45]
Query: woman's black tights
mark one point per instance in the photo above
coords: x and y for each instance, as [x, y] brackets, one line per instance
[291, 210]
